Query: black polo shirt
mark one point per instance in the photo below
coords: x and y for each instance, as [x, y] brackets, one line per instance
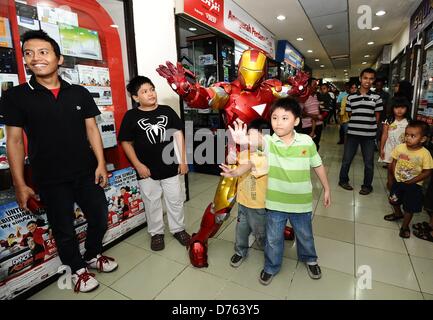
[58, 147]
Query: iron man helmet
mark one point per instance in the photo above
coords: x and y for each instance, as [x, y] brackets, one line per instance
[251, 70]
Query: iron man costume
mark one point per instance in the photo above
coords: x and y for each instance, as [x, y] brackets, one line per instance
[247, 98]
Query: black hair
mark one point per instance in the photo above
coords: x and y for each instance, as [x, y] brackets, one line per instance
[288, 104]
[41, 35]
[259, 124]
[135, 84]
[31, 222]
[399, 102]
[423, 126]
[404, 90]
[368, 70]
[310, 80]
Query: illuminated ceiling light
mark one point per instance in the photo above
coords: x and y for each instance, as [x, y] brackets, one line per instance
[380, 13]
[329, 26]
[375, 28]
[345, 70]
[364, 62]
[322, 66]
[310, 51]
[367, 56]
[281, 17]
[317, 60]
[192, 29]
[370, 43]
[300, 39]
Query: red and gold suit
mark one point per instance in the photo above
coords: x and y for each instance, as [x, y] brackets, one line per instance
[247, 98]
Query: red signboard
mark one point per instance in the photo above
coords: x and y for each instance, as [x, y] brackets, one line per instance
[210, 12]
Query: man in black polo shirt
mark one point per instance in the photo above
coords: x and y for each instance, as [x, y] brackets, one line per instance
[364, 108]
[65, 153]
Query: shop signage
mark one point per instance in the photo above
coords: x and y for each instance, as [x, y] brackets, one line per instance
[227, 17]
[288, 54]
[421, 18]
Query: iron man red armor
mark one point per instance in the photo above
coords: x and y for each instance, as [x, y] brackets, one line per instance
[247, 98]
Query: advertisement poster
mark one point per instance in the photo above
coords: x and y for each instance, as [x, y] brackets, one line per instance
[101, 95]
[5, 33]
[93, 76]
[25, 241]
[123, 195]
[80, 42]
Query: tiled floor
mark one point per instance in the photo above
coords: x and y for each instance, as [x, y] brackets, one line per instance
[351, 237]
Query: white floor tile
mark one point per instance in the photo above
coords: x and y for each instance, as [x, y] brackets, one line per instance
[333, 285]
[233, 291]
[423, 269]
[374, 217]
[379, 238]
[149, 278]
[388, 267]
[193, 284]
[336, 255]
[383, 291]
[337, 211]
[110, 294]
[336, 229]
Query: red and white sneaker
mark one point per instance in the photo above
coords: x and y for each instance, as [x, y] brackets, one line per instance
[84, 281]
[102, 264]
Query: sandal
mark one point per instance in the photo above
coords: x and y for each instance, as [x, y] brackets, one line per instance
[393, 217]
[404, 233]
[422, 226]
[423, 235]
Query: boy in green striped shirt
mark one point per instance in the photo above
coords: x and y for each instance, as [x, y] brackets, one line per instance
[289, 195]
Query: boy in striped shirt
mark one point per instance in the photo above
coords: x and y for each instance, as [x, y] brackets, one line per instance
[289, 194]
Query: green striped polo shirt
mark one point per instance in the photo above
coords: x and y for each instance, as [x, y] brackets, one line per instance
[289, 181]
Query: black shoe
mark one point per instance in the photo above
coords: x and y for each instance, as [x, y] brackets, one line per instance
[345, 186]
[314, 271]
[157, 242]
[265, 278]
[364, 191]
[236, 260]
[183, 237]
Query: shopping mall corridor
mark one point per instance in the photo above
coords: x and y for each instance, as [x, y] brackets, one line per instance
[351, 236]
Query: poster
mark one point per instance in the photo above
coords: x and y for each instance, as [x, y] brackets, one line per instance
[70, 75]
[5, 33]
[124, 197]
[80, 42]
[93, 76]
[25, 241]
[53, 31]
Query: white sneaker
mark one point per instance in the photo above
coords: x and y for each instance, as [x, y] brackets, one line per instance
[102, 263]
[84, 281]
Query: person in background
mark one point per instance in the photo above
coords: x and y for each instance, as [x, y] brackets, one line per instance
[379, 84]
[342, 112]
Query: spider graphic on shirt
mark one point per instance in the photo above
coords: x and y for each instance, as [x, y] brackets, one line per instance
[153, 131]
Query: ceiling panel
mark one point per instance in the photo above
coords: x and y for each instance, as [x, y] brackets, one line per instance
[317, 8]
[339, 22]
[336, 44]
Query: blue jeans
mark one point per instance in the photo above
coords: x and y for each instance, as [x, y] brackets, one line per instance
[350, 149]
[249, 220]
[274, 248]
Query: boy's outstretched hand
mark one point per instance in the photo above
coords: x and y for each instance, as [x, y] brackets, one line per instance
[228, 171]
[239, 132]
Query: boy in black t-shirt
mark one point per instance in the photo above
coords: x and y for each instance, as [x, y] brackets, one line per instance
[145, 137]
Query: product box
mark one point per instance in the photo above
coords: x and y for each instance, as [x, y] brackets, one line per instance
[69, 75]
[27, 24]
[107, 128]
[57, 15]
[101, 95]
[93, 76]
[7, 81]
[53, 31]
[24, 10]
[5, 33]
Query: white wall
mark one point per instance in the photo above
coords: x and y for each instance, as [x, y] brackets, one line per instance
[155, 39]
[400, 42]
